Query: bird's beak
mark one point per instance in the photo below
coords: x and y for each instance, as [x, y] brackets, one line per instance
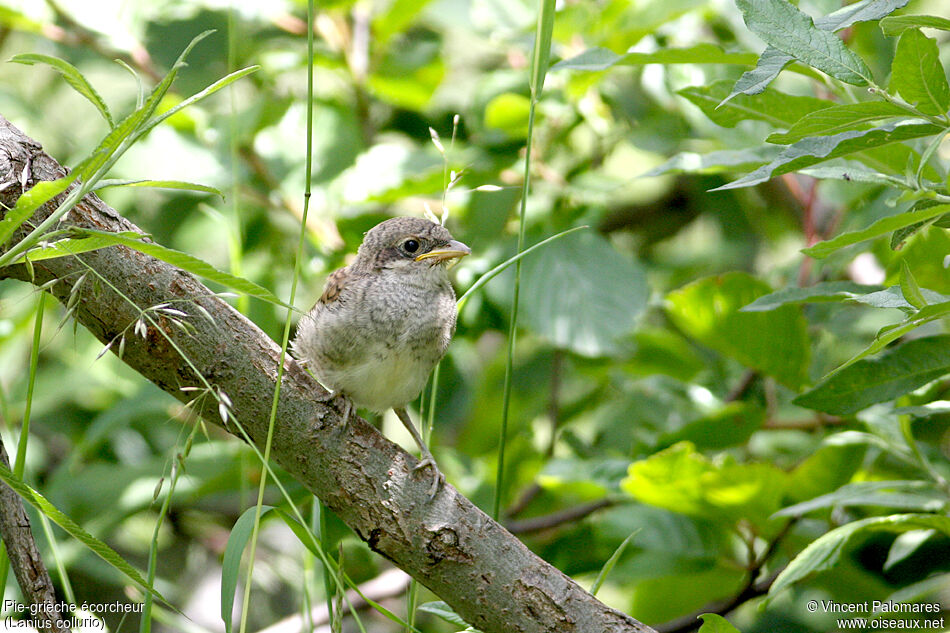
[452, 250]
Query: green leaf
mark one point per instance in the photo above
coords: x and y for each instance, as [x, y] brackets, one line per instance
[72, 246]
[596, 59]
[542, 47]
[715, 623]
[895, 25]
[731, 425]
[838, 118]
[917, 75]
[608, 292]
[921, 496]
[203, 94]
[38, 195]
[184, 261]
[824, 470]
[662, 351]
[231, 561]
[903, 234]
[827, 550]
[891, 333]
[772, 60]
[610, 564]
[893, 297]
[159, 184]
[682, 480]
[822, 292]
[891, 375]
[443, 611]
[508, 112]
[72, 528]
[786, 28]
[910, 289]
[767, 68]
[923, 210]
[773, 342]
[774, 107]
[852, 171]
[817, 149]
[715, 162]
[864, 11]
[72, 76]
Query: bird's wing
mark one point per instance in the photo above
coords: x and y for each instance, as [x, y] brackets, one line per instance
[335, 283]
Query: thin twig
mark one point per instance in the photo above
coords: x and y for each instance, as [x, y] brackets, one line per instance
[751, 589]
[555, 519]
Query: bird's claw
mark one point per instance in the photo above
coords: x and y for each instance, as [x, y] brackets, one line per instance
[347, 405]
[438, 479]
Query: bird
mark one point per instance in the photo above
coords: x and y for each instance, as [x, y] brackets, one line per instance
[385, 321]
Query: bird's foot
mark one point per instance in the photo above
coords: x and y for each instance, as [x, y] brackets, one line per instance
[438, 479]
[427, 459]
[347, 406]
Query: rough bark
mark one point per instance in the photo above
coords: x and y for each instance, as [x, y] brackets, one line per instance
[31, 574]
[487, 575]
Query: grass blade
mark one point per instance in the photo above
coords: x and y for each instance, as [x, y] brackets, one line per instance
[102, 550]
[611, 562]
[38, 195]
[72, 76]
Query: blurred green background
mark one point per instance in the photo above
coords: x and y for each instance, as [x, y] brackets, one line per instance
[617, 358]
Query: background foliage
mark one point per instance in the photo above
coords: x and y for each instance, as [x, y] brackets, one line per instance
[747, 420]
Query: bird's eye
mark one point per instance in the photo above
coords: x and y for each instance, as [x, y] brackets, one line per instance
[410, 246]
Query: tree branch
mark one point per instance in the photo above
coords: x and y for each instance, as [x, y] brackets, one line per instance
[487, 575]
[24, 556]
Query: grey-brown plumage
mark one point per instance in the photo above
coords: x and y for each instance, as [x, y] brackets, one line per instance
[384, 321]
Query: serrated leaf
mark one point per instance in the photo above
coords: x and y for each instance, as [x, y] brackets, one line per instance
[824, 552]
[838, 118]
[772, 60]
[72, 76]
[786, 28]
[864, 11]
[608, 293]
[72, 528]
[38, 195]
[767, 68]
[816, 149]
[822, 292]
[870, 381]
[922, 211]
[895, 25]
[774, 342]
[774, 107]
[920, 496]
[917, 75]
[597, 59]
